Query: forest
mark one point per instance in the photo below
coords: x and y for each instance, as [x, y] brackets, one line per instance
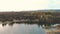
[31, 17]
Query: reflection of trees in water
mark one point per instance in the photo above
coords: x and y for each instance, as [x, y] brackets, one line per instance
[12, 23]
[4, 25]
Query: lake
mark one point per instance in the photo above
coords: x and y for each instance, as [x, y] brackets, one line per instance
[28, 28]
[21, 29]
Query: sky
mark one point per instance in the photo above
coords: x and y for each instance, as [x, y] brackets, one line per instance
[23, 5]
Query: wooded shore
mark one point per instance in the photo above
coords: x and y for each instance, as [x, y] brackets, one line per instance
[31, 17]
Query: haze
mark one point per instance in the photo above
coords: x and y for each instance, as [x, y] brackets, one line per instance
[23, 5]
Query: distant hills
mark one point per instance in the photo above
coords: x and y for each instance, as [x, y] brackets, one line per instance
[56, 10]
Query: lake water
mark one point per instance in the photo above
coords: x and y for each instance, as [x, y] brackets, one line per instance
[21, 29]
[28, 28]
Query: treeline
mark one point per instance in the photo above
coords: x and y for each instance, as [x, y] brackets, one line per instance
[40, 17]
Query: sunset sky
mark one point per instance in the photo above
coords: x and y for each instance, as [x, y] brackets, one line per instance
[22, 5]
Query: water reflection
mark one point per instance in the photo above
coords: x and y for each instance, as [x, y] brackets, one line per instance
[12, 23]
[28, 28]
[20, 28]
